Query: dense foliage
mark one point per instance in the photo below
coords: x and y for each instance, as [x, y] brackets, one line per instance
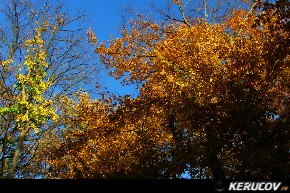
[213, 102]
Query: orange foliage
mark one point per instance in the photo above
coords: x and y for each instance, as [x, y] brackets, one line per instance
[102, 143]
[208, 94]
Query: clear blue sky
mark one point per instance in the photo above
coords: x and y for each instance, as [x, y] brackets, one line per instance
[105, 17]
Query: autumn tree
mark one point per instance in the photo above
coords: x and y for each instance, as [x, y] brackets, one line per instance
[214, 101]
[43, 56]
[105, 140]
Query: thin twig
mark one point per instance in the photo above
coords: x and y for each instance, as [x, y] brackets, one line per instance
[183, 15]
[252, 8]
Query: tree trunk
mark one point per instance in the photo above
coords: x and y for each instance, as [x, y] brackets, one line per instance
[213, 160]
[16, 154]
[216, 166]
[4, 146]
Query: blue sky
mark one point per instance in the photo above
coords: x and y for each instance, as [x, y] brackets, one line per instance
[105, 17]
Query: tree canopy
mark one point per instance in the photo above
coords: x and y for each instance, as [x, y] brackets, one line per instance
[213, 101]
[43, 57]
